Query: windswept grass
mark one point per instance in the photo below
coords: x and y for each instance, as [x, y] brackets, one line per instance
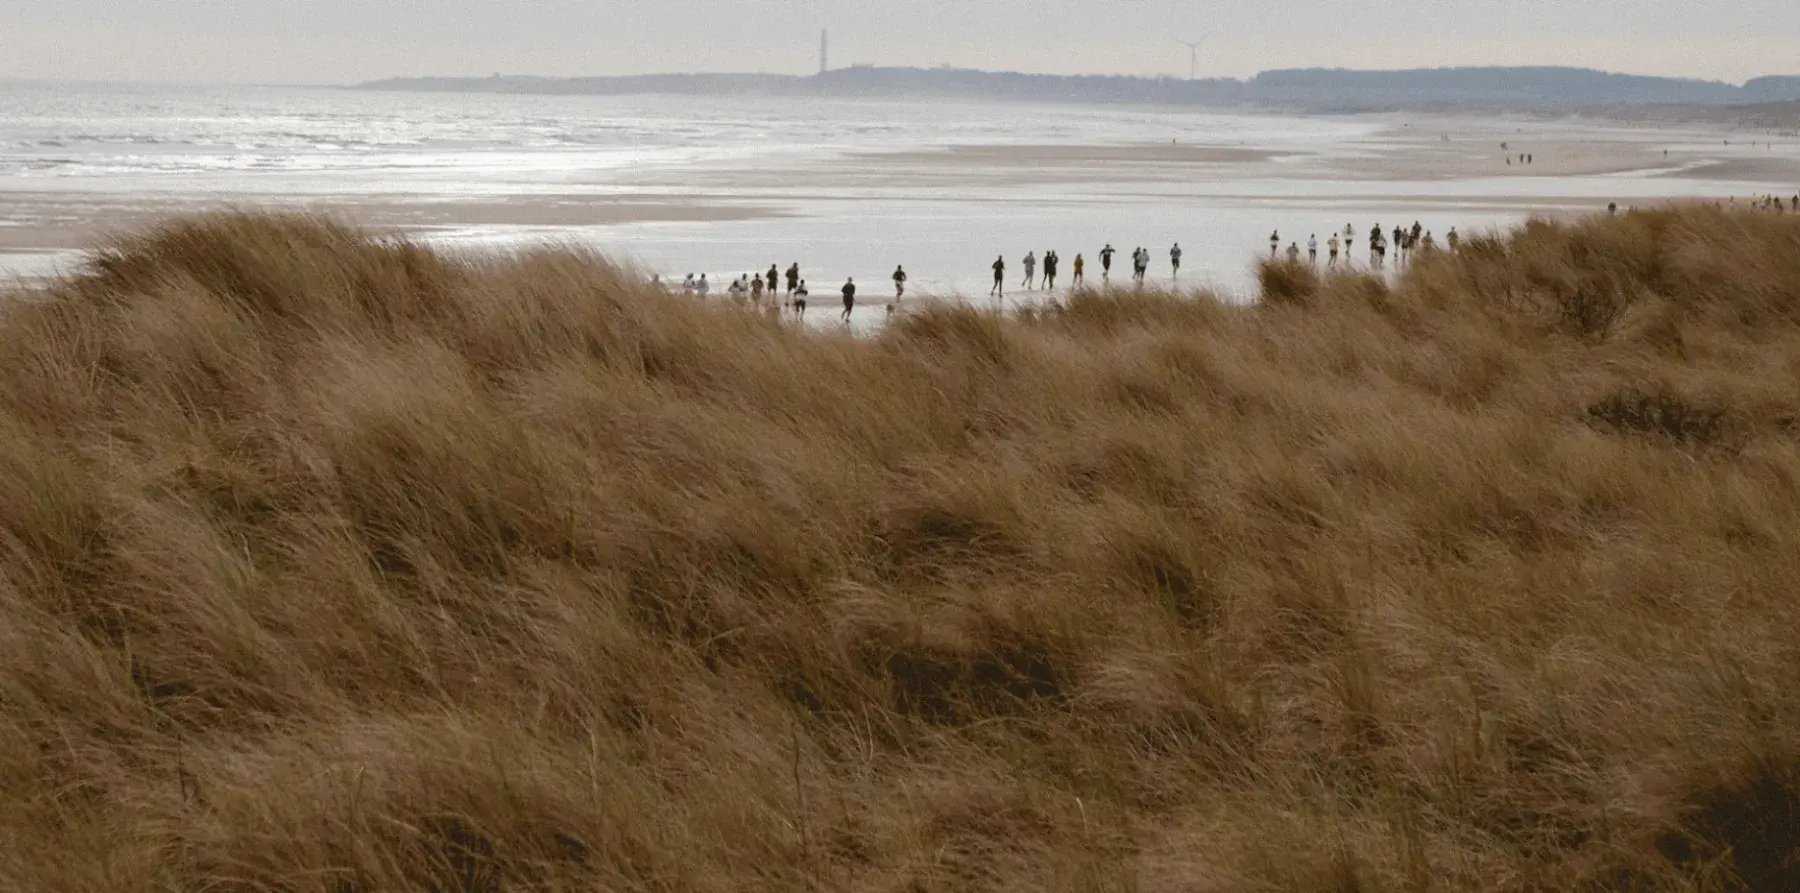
[329, 563]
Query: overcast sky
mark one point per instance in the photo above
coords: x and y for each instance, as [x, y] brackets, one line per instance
[337, 41]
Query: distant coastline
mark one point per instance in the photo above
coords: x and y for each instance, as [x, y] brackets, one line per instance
[1772, 101]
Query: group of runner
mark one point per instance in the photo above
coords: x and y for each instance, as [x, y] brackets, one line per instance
[761, 289]
[1140, 267]
[1405, 242]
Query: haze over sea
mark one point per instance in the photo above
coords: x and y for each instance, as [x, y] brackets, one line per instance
[728, 185]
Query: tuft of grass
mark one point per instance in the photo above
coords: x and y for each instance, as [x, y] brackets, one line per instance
[331, 562]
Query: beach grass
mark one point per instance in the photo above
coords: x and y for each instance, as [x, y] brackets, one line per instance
[329, 562]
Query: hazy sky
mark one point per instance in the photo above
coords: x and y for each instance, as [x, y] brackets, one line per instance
[334, 41]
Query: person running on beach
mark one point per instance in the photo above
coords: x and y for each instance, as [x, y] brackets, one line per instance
[1312, 249]
[1030, 269]
[1106, 256]
[1452, 239]
[1274, 243]
[1293, 252]
[736, 289]
[999, 277]
[1378, 250]
[756, 290]
[1350, 242]
[774, 279]
[702, 288]
[793, 278]
[687, 285]
[1331, 246]
[799, 299]
[1080, 272]
[849, 291]
[1142, 261]
[1399, 245]
[1416, 230]
[899, 282]
[1175, 259]
[1050, 263]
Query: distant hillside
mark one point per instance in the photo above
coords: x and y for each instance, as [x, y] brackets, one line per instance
[1312, 89]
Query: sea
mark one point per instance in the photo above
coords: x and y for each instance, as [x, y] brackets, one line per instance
[845, 187]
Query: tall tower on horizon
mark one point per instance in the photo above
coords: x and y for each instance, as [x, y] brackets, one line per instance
[824, 51]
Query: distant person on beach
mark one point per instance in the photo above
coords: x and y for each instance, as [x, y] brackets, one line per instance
[1175, 259]
[1399, 245]
[1274, 243]
[756, 290]
[1080, 272]
[999, 277]
[1050, 263]
[736, 289]
[1030, 270]
[849, 291]
[774, 281]
[1377, 250]
[899, 282]
[1331, 246]
[793, 278]
[702, 288]
[1143, 263]
[1350, 244]
[1312, 249]
[1430, 244]
[1293, 252]
[687, 285]
[800, 298]
[1613, 207]
[1452, 239]
[1416, 230]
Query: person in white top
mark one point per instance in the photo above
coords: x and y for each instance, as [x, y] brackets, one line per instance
[1331, 246]
[1312, 248]
[702, 287]
[1030, 269]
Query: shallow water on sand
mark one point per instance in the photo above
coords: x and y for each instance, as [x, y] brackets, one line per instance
[729, 185]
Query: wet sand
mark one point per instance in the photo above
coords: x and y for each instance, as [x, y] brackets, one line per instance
[44, 222]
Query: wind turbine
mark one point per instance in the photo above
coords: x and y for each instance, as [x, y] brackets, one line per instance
[1193, 56]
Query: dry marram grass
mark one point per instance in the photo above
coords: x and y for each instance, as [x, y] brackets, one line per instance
[331, 563]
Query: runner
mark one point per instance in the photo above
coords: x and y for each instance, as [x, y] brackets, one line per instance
[1050, 263]
[793, 278]
[702, 287]
[849, 290]
[756, 290]
[1378, 249]
[1331, 245]
[1293, 252]
[1142, 256]
[1274, 243]
[1350, 242]
[687, 285]
[1175, 259]
[1312, 249]
[899, 289]
[1080, 266]
[800, 298]
[1030, 269]
[1106, 256]
[1399, 245]
[736, 290]
[773, 280]
[999, 277]
[1452, 239]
